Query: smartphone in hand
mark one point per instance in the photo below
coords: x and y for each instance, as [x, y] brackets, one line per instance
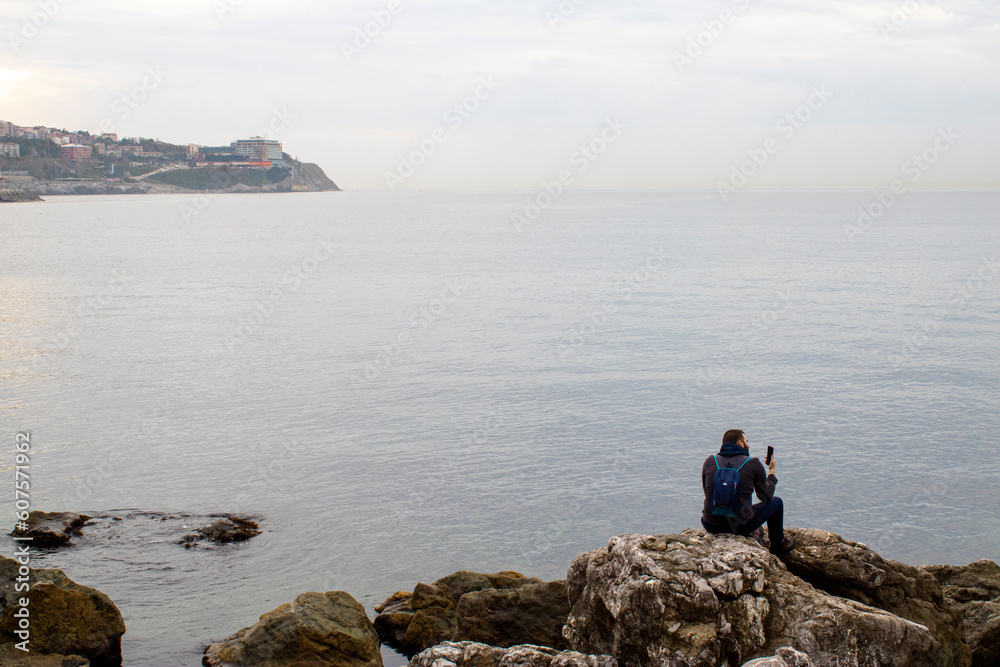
[770, 453]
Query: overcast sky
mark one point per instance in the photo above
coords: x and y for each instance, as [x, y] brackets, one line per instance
[885, 81]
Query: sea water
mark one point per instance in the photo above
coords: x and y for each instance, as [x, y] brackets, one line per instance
[401, 386]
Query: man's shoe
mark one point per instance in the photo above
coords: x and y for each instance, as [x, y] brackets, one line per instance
[786, 545]
[758, 535]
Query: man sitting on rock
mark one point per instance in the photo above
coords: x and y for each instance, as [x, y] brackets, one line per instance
[745, 519]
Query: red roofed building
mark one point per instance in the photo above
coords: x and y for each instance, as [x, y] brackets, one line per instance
[74, 152]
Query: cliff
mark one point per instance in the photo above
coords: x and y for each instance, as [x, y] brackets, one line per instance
[298, 177]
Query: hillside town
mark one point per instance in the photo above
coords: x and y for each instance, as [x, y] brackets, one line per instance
[39, 160]
[254, 153]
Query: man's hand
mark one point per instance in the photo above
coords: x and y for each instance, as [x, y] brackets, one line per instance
[770, 468]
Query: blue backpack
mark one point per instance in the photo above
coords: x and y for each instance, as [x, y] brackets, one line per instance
[727, 492]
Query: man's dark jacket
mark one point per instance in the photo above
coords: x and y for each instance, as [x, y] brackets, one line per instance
[752, 476]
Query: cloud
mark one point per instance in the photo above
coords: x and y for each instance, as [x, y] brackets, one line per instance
[559, 81]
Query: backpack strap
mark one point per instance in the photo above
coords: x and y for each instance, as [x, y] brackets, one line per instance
[718, 467]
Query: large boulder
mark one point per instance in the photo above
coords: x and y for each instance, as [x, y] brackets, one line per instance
[529, 614]
[699, 600]
[316, 629]
[65, 617]
[412, 622]
[51, 529]
[409, 623]
[852, 570]
[973, 592]
[473, 654]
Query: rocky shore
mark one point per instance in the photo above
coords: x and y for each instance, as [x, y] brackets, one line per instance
[684, 600]
[17, 195]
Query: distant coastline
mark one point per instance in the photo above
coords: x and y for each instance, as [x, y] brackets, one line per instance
[43, 161]
[301, 177]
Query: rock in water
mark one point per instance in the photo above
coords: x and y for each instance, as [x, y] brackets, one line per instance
[52, 529]
[225, 530]
[472, 654]
[316, 629]
[66, 618]
[699, 600]
[529, 614]
[973, 592]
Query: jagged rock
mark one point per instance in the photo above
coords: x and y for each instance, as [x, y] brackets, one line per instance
[530, 614]
[973, 592]
[852, 570]
[10, 656]
[425, 595]
[225, 530]
[316, 629]
[412, 622]
[393, 619]
[429, 626]
[698, 600]
[785, 657]
[473, 654]
[52, 529]
[458, 584]
[66, 618]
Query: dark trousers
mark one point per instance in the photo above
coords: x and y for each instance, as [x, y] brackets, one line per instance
[772, 513]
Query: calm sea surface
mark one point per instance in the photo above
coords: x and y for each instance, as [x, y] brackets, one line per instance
[403, 386]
